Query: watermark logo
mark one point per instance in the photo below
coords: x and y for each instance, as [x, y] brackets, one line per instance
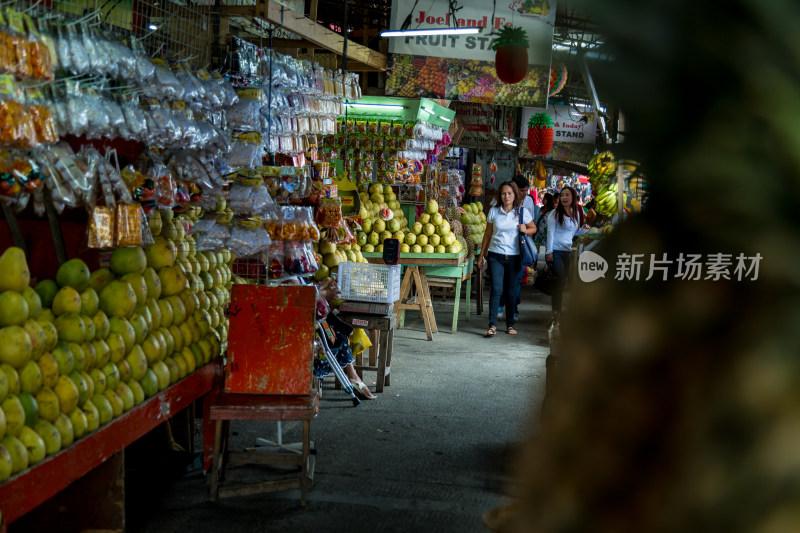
[685, 267]
[591, 267]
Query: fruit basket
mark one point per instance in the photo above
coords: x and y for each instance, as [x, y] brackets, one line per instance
[364, 282]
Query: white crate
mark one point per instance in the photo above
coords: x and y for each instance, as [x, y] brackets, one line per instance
[365, 282]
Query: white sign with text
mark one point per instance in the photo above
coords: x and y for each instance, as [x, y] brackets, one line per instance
[570, 126]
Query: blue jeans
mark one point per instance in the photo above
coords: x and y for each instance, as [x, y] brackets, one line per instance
[519, 290]
[560, 269]
[504, 271]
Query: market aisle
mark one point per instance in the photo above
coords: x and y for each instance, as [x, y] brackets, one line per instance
[431, 454]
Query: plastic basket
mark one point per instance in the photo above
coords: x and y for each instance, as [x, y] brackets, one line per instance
[365, 282]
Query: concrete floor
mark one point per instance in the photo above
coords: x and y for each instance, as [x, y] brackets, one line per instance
[432, 453]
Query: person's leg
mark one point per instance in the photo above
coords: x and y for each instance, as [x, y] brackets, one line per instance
[496, 272]
[512, 281]
[519, 287]
[560, 269]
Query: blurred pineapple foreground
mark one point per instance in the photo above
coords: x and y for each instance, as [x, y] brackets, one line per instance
[677, 404]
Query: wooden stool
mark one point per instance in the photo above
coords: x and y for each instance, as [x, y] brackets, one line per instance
[415, 278]
[227, 407]
[381, 335]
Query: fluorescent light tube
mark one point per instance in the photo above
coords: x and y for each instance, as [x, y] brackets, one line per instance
[152, 27]
[509, 142]
[430, 31]
[444, 118]
[376, 106]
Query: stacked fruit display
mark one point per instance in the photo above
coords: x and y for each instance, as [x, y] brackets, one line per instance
[332, 255]
[607, 199]
[473, 220]
[601, 168]
[430, 234]
[529, 92]
[81, 350]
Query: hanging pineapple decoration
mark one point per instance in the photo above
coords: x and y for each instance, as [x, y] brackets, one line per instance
[510, 47]
[540, 134]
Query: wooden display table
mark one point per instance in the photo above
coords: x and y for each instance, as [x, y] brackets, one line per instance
[100, 455]
[419, 266]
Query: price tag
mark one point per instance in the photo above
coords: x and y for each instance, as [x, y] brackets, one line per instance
[360, 323]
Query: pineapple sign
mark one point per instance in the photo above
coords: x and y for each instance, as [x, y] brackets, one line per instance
[462, 67]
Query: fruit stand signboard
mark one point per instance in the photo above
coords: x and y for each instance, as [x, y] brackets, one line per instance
[569, 126]
[461, 67]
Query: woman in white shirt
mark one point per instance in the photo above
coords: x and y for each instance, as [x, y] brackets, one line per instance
[501, 244]
[563, 224]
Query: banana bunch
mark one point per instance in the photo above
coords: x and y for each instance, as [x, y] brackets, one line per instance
[601, 168]
[607, 199]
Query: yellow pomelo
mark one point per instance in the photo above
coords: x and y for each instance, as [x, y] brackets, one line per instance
[50, 333]
[104, 408]
[161, 254]
[12, 378]
[50, 435]
[91, 355]
[112, 375]
[37, 336]
[31, 408]
[89, 383]
[3, 385]
[67, 393]
[173, 280]
[155, 313]
[99, 378]
[34, 444]
[19, 454]
[188, 356]
[206, 347]
[162, 374]
[138, 285]
[30, 378]
[183, 368]
[128, 260]
[138, 362]
[90, 302]
[64, 357]
[152, 348]
[49, 368]
[138, 391]
[198, 354]
[79, 356]
[100, 278]
[15, 415]
[169, 341]
[117, 406]
[126, 395]
[14, 273]
[140, 327]
[34, 302]
[67, 300]
[65, 428]
[6, 463]
[187, 333]
[79, 422]
[149, 383]
[74, 273]
[144, 311]
[49, 408]
[101, 325]
[162, 345]
[153, 283]
[102, 352]
[15, 346]
[190, 301]
[117, 299]
[70, 327]
[92, 416]
[174, 371]
[2, 423]
[177, 338]
[205, 303]
[123, 327]
[47, 290]
[88, 325]
[124, 369]
[81, 384]
[166, 312]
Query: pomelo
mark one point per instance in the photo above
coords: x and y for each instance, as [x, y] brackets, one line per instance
[118, 299]
[50, 333]
[128, 260]
[6, 463]
[30, 378]
[66, 429]
[18, 452]
[66, 300]
[64, 358]
[15, 346]
[67, 393]
[37, 336]
[138, 391]
[92, 416]
[70, 327]
[100, 278]
[74, 273]
[47, 290]
[101, 325]
[13, 309]
[90, 302]
[14, 273]
[49, 408]
[104, 409]
[79, 422]
[50, 435]
[49, 368]
[34, 302]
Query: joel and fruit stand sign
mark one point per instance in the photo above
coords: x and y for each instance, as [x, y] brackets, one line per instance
[461, 67]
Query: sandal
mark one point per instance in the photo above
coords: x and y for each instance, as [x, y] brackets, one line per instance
[511, 331]
[361, 389]
[491, 332]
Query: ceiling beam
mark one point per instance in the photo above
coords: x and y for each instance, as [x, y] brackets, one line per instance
[316, 34]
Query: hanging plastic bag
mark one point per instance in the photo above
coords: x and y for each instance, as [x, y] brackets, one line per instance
[359, 341]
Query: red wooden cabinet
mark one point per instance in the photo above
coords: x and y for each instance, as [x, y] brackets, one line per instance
[270, 342]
